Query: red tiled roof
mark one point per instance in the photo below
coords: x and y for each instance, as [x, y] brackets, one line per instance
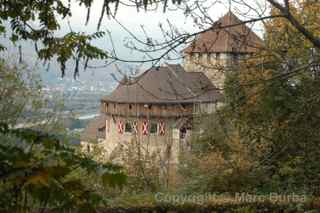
[239, 38]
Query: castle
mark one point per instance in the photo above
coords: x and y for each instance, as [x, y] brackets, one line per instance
[158, 107]
[214, 52]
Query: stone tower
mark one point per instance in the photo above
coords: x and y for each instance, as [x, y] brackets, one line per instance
[218, 50]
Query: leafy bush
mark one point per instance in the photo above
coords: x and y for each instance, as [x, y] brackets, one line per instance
[39, 170]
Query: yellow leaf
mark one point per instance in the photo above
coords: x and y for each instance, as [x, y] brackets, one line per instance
[40, 178]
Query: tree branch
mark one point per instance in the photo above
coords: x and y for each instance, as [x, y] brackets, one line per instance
[304, 31]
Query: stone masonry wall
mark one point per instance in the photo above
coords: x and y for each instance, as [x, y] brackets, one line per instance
[210, 65]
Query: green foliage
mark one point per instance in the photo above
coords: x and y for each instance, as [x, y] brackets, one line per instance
[143, 167]
[38, 169]
[19, 90]
[265, 138]
[23, 14]
[283, 123]
[149, 203]
[39, 21]
[273, 104]
[218, 161]
[72, 46]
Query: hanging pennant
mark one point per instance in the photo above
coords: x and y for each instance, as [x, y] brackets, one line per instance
[161, 128]
[145, 128]
[120, 127]
[135, 127]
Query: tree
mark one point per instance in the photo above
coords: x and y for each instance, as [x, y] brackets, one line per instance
[22, 16]
[18, 90]
[218, 162]
[38, 169]
[274, 104]
[265, 137]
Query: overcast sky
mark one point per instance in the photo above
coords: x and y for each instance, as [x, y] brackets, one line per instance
[132, 20]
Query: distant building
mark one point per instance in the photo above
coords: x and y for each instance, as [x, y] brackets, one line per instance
[156, 108]
[214, 51]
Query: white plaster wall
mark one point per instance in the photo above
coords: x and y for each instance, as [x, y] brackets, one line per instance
[151, 142]
[212, 65]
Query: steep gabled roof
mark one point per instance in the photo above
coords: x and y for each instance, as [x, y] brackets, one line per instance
[167, 84]
[239, 38]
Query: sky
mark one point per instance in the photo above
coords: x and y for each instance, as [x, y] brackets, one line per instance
[132, 21]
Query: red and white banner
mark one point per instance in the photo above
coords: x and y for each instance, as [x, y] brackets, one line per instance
[145, 128]
[135, 127]
[161, 128]
[120, 127]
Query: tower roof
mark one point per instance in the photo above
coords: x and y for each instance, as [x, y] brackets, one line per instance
[168, 84]
[238, 38]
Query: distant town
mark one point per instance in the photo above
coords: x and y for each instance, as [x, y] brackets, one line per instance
[78, 100]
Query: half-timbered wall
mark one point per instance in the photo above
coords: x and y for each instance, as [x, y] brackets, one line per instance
[155, 126]
[147, 110]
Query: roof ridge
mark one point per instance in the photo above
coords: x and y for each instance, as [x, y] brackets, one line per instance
[222, 39]
[164, 86]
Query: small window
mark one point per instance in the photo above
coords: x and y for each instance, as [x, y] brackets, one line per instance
[209, 57]
[128, 127]
[88, 148]
[153, 128]
[150, 106]
[218, 56]
[235, 56]
[130, 106]
[183, 133]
